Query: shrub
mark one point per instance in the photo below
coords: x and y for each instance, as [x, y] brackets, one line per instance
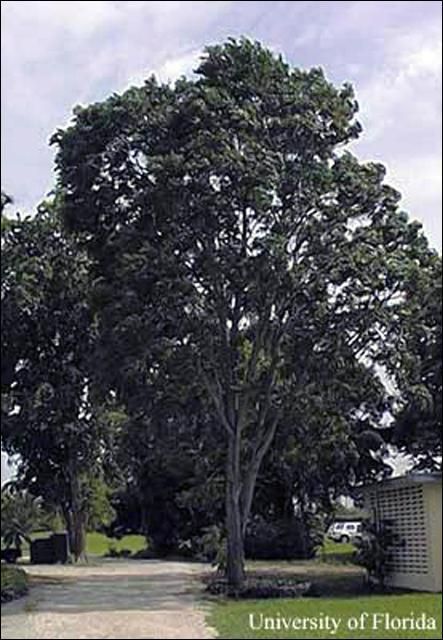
[113, 552]
[21, 513]
[146, 554]
[262, 588]
[211, 547]
[286, 539]
[14, 583]
[374, 551]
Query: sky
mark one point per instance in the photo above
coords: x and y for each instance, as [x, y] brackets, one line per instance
[59, 54]
[56, 55]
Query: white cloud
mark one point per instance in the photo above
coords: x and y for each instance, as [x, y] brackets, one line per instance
[406, 89]
[420, 175]
[401, 116]
[175, 67]
[419, 180]
[169, 70]
[427, 59]
[58, 54]
[80, 17]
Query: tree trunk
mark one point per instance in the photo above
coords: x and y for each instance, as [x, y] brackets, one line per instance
[76, 526]
[78, 535]
[235, 562]
[250, 478]
[75, 517]
[304, 530]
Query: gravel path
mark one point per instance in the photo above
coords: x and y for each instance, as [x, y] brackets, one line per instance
[120, 599]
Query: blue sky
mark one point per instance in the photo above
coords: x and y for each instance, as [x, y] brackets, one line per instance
[59, 54]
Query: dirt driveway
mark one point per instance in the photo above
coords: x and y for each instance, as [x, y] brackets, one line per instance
[115, 599]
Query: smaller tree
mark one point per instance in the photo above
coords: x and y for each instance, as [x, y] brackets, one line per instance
[21, 515]
[375, 551]
[48, 417]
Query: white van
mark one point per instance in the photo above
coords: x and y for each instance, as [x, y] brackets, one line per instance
[345, 531]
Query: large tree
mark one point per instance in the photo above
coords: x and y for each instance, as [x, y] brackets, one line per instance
[48, 420]
[417, 429]
[230, 229]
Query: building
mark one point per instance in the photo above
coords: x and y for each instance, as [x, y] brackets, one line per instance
[412, 506]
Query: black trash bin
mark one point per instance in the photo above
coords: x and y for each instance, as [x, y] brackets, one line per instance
[50, 550]
[61, 547]
[42, 551]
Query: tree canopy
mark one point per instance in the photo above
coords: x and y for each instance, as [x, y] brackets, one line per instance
[48, 420]
[418, 417]
[246, 275]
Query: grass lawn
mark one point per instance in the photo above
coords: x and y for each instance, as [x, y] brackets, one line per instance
[235, 619]
[339, 586]
[336, 550]
[14, 583]
[97, 544]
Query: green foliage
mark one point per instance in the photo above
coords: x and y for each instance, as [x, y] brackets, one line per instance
[100, 511]
[418, 425]
[115, 553]
[261, 588]
[174, 459]
[48, 418]
[374, 551]
[5, 201]
[243, 261]
[14, 583]
[211, 546]
[284, 539]
[52, 520]
[21, 515]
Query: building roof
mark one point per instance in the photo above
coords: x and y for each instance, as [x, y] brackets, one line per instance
[414, 477]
